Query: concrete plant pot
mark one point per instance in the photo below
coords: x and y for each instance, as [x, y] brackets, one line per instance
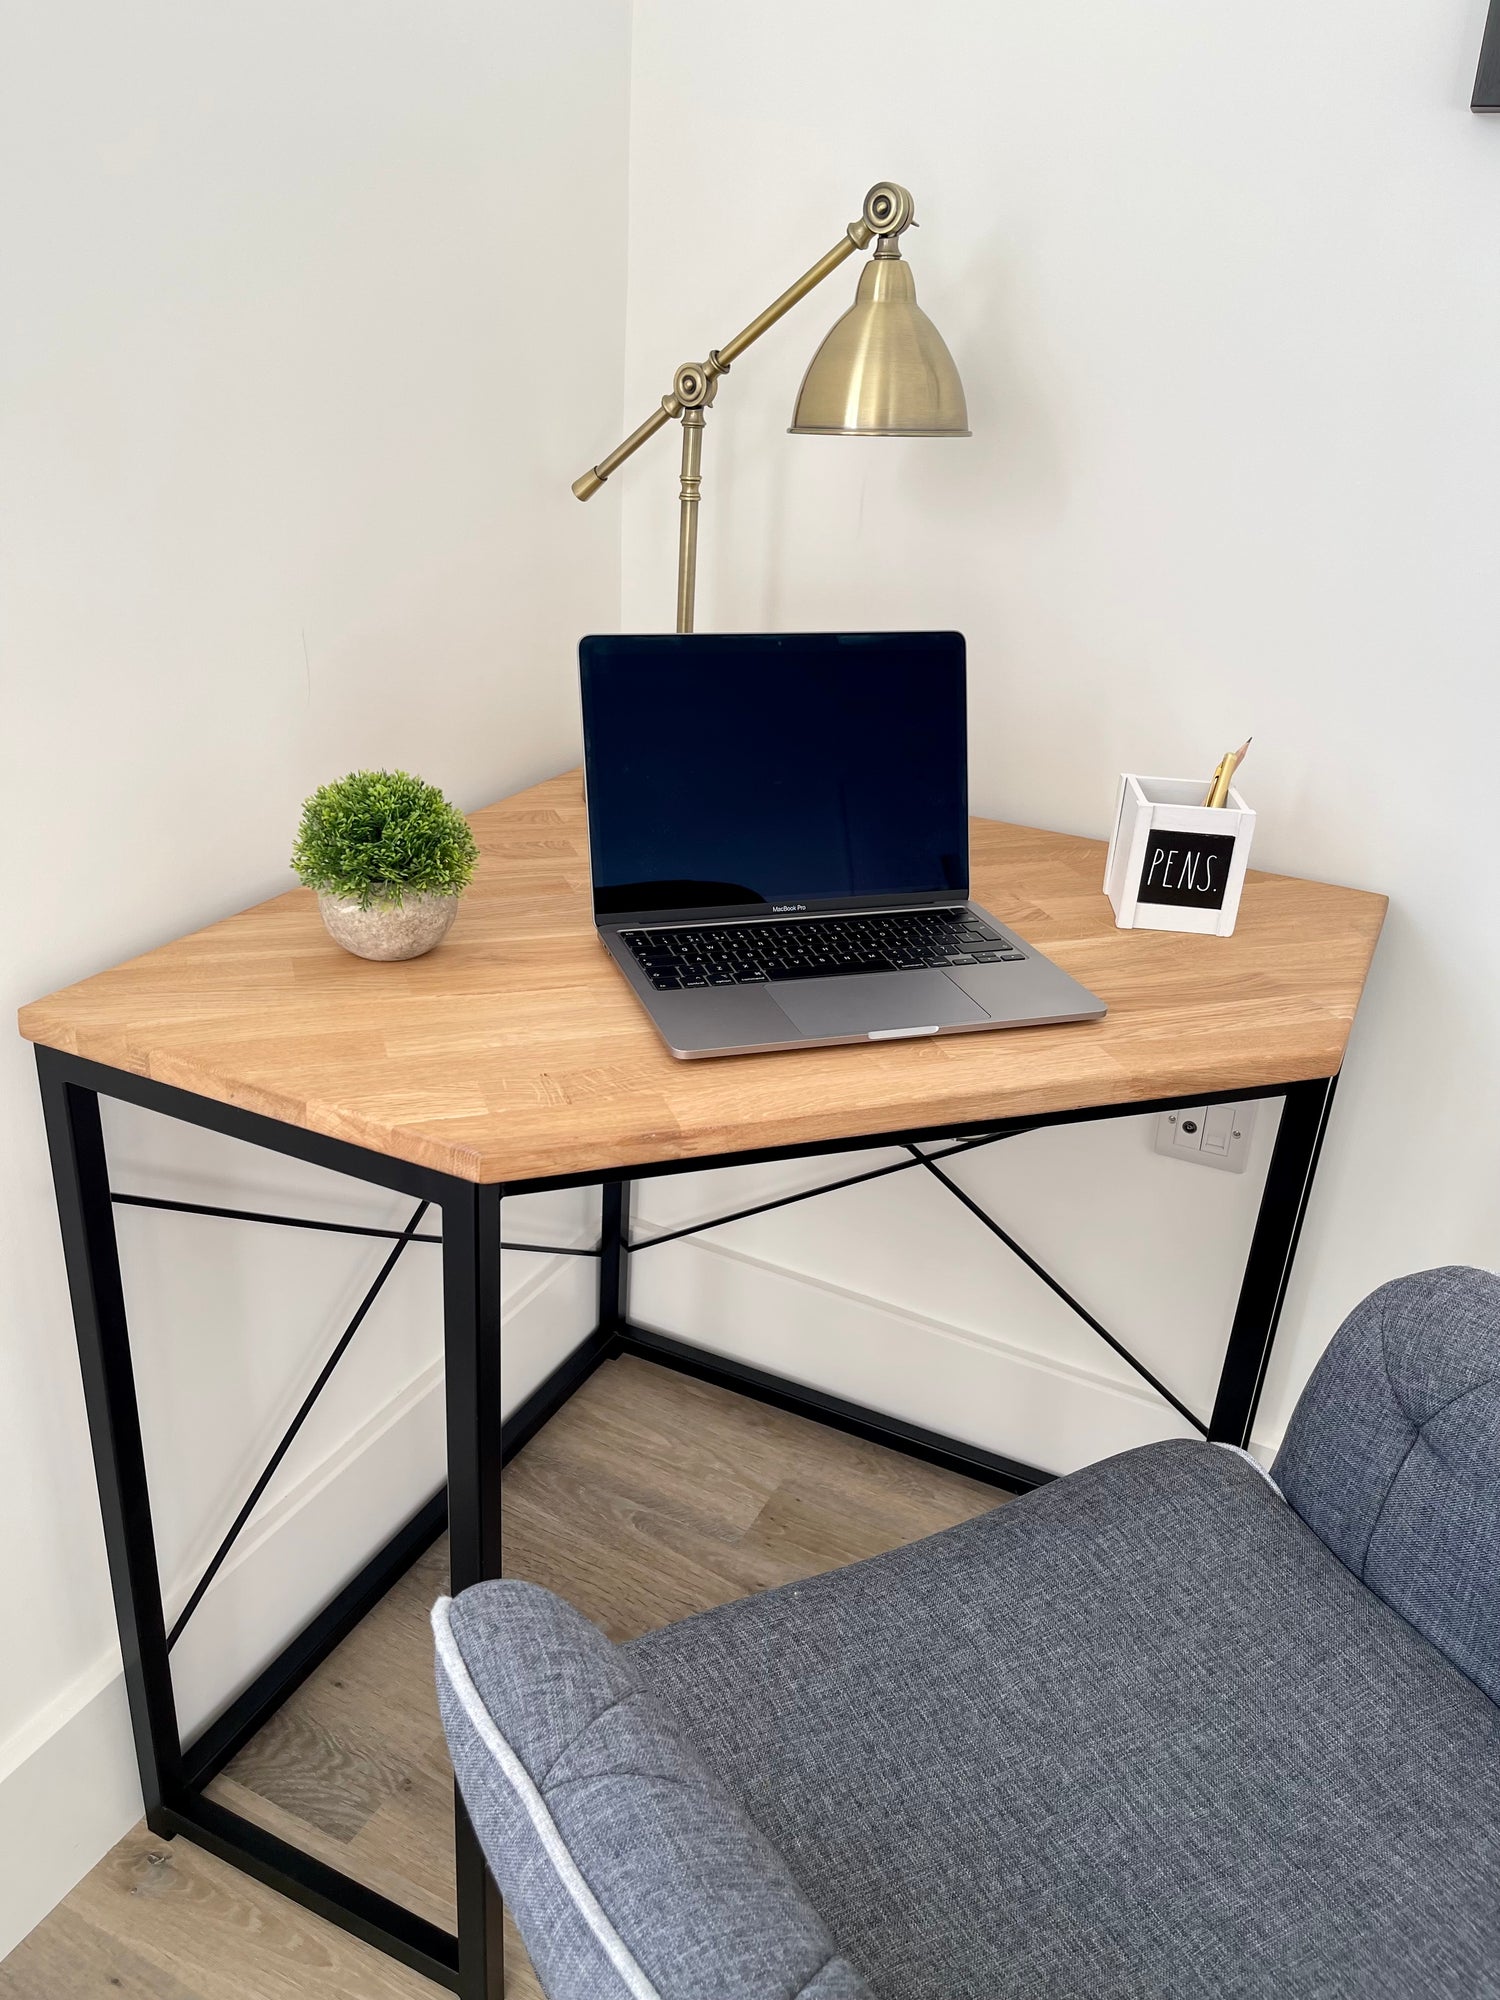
[388, 929]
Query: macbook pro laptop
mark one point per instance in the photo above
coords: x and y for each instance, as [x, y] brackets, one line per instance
[779, 835]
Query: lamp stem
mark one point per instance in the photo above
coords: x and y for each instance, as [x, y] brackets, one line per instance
[687, 524]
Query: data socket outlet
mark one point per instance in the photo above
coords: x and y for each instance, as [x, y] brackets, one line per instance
[1213, 1135]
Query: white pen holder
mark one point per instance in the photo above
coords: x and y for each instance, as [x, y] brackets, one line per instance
[1175, 864]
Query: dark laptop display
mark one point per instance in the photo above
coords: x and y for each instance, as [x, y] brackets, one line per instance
[745, 772]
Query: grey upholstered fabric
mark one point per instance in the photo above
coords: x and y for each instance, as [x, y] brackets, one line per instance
[1393, 1457]
[1139, 1734]
[630, 1871]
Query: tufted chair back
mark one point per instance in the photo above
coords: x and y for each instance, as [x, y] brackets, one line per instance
[1392, 1457]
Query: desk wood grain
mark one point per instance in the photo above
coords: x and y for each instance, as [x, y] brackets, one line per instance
[516, 1051]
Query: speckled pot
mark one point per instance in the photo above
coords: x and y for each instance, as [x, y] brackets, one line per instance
[389, 929]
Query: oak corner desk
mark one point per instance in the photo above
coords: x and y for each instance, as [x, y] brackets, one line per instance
[514, 1059]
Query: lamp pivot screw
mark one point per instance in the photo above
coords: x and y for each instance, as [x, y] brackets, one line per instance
[888, 208]
[694, 384]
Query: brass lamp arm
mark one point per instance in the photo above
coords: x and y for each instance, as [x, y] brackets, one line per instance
[703, 374]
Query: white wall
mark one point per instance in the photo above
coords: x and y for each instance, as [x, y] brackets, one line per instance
[311, 305]
[1221, 285]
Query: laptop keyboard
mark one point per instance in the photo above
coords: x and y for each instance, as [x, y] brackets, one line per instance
[813, 948]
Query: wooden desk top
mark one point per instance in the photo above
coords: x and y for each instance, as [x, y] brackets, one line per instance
[516, 1050]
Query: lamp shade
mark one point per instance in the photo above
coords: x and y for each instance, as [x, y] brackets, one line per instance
[883, 370]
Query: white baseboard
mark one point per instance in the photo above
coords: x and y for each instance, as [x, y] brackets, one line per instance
[991, 1390]
[68, 1787]
[66, 1799]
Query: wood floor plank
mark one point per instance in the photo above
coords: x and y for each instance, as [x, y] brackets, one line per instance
[649, 1497]
[182, 1923]
[336, 1779]
[407, 1856]
[70, 1955]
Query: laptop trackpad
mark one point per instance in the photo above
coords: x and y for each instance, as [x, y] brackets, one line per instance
[865, 1002]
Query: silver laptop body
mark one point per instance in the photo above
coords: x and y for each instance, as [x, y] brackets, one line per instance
[778, 833]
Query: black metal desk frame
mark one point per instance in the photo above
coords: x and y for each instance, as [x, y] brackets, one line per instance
[174, 1775]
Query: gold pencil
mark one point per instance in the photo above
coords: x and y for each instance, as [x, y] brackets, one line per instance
[1223, 777]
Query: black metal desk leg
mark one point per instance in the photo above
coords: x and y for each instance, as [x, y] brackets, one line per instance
[1283, 1202]
[614, 1256]
[471, 1345]
[79, 1171]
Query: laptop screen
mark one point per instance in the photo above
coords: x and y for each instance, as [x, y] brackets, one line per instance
[741, 772]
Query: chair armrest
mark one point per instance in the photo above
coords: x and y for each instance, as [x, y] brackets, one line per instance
[630, 1871]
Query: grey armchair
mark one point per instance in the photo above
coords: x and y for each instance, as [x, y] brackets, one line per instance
[1162, 1728]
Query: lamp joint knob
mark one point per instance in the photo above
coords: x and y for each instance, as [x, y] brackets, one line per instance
[888, 209]
[694, 385]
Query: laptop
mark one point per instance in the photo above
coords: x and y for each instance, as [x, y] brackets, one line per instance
[779, 838]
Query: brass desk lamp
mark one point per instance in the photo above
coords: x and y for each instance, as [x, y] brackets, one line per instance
[882, 371]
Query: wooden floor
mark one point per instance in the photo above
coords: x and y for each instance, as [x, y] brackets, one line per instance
[651, 1496]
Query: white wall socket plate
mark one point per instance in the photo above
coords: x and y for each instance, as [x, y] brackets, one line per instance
[1214, 1135]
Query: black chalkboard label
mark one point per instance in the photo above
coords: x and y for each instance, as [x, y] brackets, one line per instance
[1188, 869]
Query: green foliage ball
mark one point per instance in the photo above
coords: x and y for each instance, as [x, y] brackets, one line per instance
[375, 835]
